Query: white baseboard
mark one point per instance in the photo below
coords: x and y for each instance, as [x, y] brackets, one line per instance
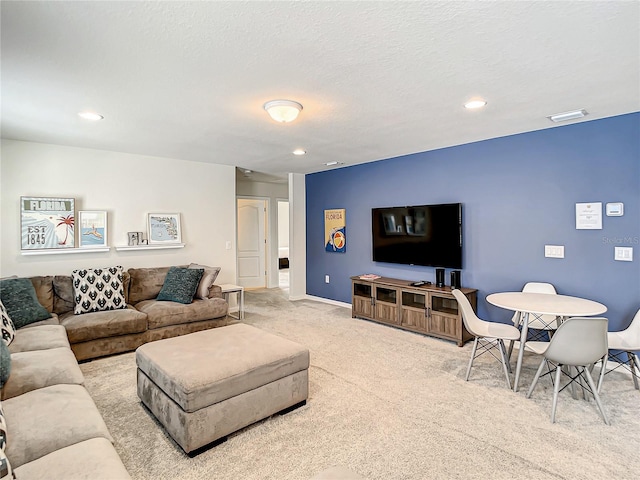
[324, 300]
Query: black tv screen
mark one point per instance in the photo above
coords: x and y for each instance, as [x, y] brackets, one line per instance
[429, 235]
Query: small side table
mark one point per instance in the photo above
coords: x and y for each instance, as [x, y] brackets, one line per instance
[228, 288]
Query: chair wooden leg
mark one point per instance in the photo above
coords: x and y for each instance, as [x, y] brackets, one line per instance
[473, 355]
[556, 389]
[504, 362]
[595, 395]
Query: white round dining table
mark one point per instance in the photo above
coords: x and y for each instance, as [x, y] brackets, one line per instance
[562, 306]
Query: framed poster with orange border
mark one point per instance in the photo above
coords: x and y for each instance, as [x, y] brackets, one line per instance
[335, 226]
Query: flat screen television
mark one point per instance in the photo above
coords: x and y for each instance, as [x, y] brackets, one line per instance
[429, 235]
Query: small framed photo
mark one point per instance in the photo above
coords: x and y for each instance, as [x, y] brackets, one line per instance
[93, 228]
[163, 228]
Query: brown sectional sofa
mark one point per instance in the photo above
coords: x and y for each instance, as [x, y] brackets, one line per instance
[145, 319]
[54, 428]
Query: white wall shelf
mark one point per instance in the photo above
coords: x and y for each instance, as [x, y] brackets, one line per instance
[149, 247]
[64, 251]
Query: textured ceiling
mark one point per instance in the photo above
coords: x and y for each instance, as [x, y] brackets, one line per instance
[377, 79]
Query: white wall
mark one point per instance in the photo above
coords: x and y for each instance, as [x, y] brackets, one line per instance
[297, 237]
[128, 187]
[272, 192]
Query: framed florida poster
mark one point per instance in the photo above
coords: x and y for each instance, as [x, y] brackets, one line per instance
[47, 223]
[335, 225]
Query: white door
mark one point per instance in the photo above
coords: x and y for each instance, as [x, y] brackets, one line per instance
[251, 243]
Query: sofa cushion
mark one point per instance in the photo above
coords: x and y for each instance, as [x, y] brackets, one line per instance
[206, 282]
[63, 301]
[49, 419]
[44, 291]
[7, 329]
[162, 314]
[146, 283]
[52, 320]
[19, 297]
[93, 459]
[5, 364]
[42, 337]
[180, 284]
[41, 368]
[98, 289]
[111, 323]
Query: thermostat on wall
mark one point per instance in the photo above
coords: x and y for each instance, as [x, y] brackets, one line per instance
[615, 209]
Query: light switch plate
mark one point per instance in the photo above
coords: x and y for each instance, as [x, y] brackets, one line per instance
[615, 209]
[623, 254]
[554, 251]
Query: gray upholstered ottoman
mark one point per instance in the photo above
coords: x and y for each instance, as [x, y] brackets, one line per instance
[206, 385]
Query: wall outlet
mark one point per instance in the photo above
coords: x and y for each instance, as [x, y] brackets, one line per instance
[554, 251]
[326, 279]
[623, 254]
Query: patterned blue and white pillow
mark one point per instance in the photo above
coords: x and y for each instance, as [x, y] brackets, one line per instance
[7, 328]
[97, 289]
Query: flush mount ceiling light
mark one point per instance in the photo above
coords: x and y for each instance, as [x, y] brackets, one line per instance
[331, 164]
[561, 117]
[93, 116]
[299, 151]
[283, 111]
[477, 103]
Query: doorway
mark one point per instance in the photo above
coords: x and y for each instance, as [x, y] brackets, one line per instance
[283, 244]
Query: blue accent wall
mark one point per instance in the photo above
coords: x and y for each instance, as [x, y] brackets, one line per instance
[518, 194]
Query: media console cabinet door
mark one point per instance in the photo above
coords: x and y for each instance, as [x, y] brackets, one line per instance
[361, 303]
[386, 304]
[414, 311]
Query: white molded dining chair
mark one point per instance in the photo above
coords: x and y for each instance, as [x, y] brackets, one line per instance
[542, 325]
[627, 342]
[488, 335]
[579, 342]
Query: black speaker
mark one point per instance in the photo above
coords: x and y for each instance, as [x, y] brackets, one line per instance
[439, 277]
[455, 279]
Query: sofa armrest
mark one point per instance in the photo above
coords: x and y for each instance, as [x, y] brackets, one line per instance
[215, 291]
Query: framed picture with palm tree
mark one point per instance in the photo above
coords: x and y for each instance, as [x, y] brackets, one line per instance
[47, 223]
[92, 228]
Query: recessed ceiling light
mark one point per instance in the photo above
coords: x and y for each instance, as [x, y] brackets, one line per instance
[331, 164]
[471, 104]
[247, 171]
[561, 117]
[299, 151]
[93, 116]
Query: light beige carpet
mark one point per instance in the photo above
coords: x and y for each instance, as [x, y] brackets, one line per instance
[388, 404]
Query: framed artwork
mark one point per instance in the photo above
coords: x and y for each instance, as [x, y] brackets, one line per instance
[93, 228]
[335, 227]
[163, 228]
[47, 223]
